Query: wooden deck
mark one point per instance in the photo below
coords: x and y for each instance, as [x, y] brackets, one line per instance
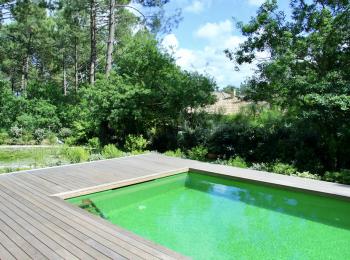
[36, 223]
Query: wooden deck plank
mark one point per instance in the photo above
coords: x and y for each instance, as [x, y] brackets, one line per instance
[46, 186]
[108, 240]
[17, 234]
[12, 247]
[73, 243]
[5, 254]
[54, 242]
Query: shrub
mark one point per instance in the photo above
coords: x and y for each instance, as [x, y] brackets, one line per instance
[64, 132]
[51, 139]
[197, 153]
[135, 143]
[308, 175]
[27, 138]
[4, 138]
[176, 153]
[95, 157]
[16, 132]
[237, 162]
[110, 151]
[39, 135]
[70, 141]
[94, 144]
[75, 154]
[260, 167]
[342, 176]
[283, 168]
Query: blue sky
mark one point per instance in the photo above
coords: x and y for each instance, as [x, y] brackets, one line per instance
[207, 29]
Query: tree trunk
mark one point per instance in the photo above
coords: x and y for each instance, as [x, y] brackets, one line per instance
[76, 70]
[111, 36]
[25, 70]
[93, 31]
[64, 75]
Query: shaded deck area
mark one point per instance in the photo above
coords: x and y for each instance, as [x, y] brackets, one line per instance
[36, 223]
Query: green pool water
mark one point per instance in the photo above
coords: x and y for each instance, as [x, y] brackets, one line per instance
[207, 217]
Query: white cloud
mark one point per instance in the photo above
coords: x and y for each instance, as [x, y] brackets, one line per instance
[256, 2]
[214, 30]
[195, 7]
[170, 43]
[211, 59]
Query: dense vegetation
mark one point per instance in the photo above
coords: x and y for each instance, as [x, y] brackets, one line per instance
[94, 74]
[58, 75]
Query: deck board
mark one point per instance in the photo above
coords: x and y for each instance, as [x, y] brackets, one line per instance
[37, 224]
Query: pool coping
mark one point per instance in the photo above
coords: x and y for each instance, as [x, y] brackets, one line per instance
[317, 187]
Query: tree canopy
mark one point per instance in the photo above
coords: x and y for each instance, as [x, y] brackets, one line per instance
[306, 66]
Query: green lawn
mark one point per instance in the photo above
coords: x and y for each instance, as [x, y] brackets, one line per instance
[14, 159]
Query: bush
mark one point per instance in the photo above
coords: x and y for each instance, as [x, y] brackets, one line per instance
[51, 139]
[96, 157]
[110, 151]
[94, 144]
[283, 168]
[237, 162]
[135, 143]
[70, 141]
[308, 175]
[198, 153]
[16, 132]
[260, 167]
[27, 138]
[176, 153]
[4, 138]
[75, 154]
[39, 135]
[342, 176]
[64, 133]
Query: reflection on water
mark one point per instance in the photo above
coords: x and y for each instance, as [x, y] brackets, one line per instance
[316, 208]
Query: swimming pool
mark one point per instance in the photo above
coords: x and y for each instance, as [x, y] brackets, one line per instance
[211, 217]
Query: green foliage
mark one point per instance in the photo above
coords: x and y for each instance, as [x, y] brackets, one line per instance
[65, 132]
[4, 138]
[70, 141]
[342, 176]
[176, 153]
[237, 162]
[111, 151]
[51, 139]
[27, 138]
[157, 98]
[16, 132]
[308, 175]
[283, 168]
[75, 154]
[135, 143]
[94, 143]
[260, 167]
[13, 169]
[197, 153]
[39, 135]
[96, 157]
[306, 74]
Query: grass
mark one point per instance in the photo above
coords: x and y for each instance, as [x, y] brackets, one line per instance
[25, 158]
[14, 159]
